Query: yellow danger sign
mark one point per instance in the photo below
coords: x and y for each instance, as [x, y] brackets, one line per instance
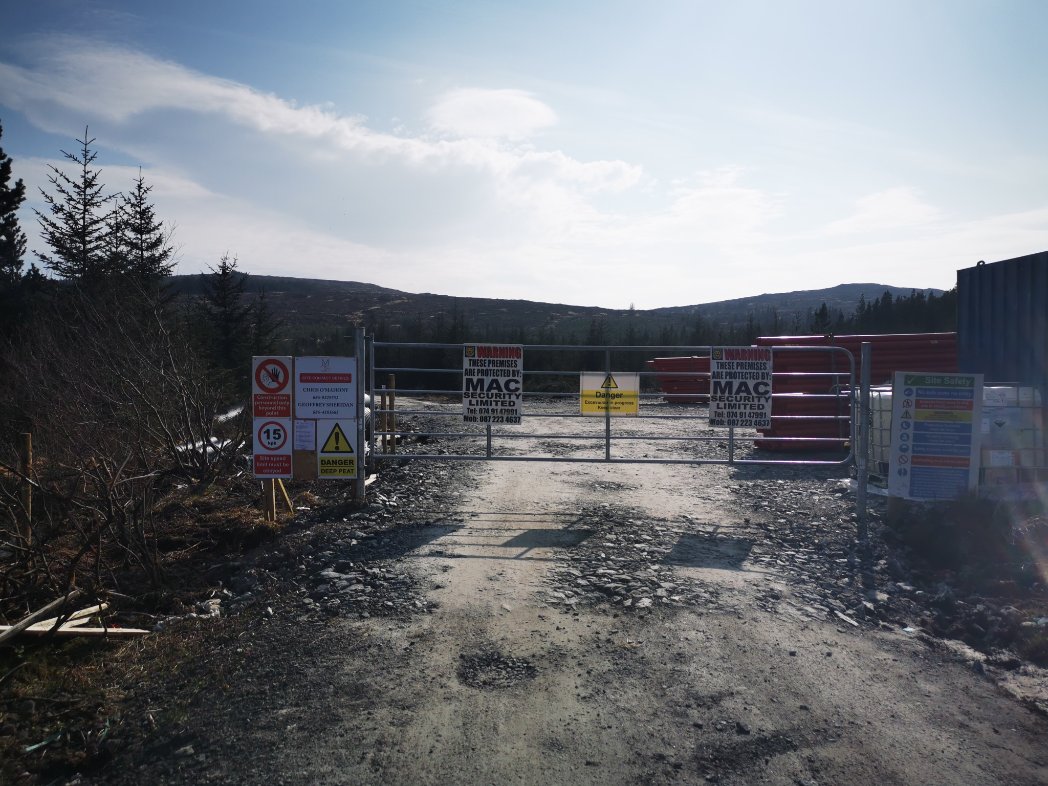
[337, 441]
[337, 457]
[609, 394]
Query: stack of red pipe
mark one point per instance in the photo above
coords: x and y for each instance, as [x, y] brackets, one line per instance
[796, 412]
[798, 375]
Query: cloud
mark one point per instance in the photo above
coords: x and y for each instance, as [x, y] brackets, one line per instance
[895, 208]
[474, 112]
[116, 84]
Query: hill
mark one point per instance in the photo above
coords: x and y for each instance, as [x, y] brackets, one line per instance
[316, 307]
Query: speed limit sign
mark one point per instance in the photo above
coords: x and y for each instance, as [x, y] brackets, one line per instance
[272, 454]
[272, 435]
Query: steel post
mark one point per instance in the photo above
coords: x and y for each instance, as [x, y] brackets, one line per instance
[862, 431]
[360, 487]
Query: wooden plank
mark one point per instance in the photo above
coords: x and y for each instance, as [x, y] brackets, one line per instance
[10, 631]
[76, 618]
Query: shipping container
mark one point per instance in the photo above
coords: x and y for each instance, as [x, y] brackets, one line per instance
[1002, 320]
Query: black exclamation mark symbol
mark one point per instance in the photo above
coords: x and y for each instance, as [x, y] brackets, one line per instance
[338, 447]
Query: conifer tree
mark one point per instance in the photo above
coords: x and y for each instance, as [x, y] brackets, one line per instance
[227, 317]
[75, 224]
[142, 242]
[12, 238]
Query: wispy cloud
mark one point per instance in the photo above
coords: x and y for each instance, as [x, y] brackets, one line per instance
[474, 112]
[892, 209]
[116, 84]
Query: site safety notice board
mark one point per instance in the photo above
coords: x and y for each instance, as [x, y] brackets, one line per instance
[935, 435]
[322, 394]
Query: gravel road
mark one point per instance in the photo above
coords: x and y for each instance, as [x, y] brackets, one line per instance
[537, 623]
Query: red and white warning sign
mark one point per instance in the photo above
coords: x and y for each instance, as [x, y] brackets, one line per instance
[271, 387]
[272, 443]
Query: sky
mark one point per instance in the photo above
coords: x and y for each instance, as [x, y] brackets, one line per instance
[593, 153]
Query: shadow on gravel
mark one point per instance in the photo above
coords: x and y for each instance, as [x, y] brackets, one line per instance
[703, 550]
[548, 538]
[401, 542]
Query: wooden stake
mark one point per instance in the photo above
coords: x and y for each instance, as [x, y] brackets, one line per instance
[287, 497]
[392, 385]
[27, 487]
[383, 421]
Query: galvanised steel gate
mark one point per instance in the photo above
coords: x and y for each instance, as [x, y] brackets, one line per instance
[416, 393]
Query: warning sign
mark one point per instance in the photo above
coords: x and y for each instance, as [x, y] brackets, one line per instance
[325, 387]
[272, 448]
[270, 387]
[740, 387]
[337, 457]
[492, 383]
[617, 393]
[337, 441]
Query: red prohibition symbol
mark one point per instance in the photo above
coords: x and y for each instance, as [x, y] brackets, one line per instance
[271, 376]
[272, 435]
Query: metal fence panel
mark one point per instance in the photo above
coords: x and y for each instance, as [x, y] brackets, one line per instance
[427, 380]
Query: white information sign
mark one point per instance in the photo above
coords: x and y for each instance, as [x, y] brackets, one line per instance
[740, 387]
[492, 383]
[326, 387]
[305, 435]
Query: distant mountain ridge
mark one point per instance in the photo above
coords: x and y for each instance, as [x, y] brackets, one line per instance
[843, 297]
[317, 305]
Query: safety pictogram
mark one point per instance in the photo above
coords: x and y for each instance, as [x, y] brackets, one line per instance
[271, 375]
[337, 442]
[609, 383]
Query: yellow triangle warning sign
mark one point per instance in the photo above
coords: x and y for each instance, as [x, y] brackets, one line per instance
[609, 383]
[337, 442]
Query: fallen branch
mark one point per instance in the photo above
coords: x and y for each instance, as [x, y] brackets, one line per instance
[10, 631]
[77, 631]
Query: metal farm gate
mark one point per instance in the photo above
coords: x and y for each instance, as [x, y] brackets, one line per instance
[417, 398]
